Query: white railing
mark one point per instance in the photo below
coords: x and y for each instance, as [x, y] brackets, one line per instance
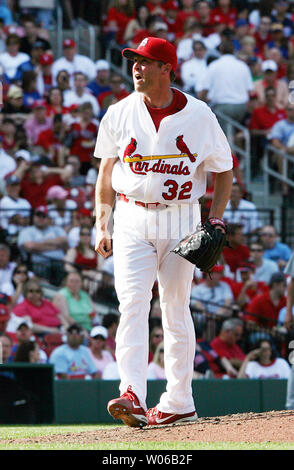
[283, 175]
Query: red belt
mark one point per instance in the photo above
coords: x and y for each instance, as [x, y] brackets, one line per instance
[147, 205]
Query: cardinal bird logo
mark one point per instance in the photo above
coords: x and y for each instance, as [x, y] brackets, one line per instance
[183, 148]
[130, 148]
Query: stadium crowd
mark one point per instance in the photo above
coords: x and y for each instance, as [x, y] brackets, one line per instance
[238, 56]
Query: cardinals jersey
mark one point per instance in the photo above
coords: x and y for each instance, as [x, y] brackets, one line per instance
[169, 165]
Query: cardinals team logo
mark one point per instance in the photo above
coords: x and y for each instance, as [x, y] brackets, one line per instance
[140, 165]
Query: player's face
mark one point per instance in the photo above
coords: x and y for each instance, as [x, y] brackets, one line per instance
[146, 74]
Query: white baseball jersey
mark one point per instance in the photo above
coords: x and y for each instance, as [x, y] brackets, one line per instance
[278, 369]
[168, 166]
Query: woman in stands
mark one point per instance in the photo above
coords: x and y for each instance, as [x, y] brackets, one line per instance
[15, 288]
[45, 316]
[75, 302]
[261, 363]
[156, 366]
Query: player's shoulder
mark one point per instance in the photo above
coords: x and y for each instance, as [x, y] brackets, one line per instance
[115, 110]
[198, 105]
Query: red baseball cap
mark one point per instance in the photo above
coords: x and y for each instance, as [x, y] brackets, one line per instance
[218, 268]
[171, 5]
[39, 104]
[42, 210]
[46, 59]
[4, 313]
[69, 43]
[155, 49]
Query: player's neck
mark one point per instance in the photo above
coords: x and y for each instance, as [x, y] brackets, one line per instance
[159, 99]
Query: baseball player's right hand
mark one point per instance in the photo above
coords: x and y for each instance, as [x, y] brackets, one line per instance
[103, 243]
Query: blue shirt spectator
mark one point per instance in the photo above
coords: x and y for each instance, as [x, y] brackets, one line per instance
[282, 131]
[273, 249]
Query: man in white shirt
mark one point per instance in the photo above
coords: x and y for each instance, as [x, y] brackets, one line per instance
[14, 210]
[80, 94]
[193, 70]
[228, 82]
[8, 165]
[241, 211]
[73, 62]
[213, 295]
[12, 58]
[264, 268]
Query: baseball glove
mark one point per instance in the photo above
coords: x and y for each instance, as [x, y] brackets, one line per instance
[204, 247]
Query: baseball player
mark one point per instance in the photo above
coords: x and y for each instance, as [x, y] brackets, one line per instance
[156, 146]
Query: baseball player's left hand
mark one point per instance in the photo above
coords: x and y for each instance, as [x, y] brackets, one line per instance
[103, 243]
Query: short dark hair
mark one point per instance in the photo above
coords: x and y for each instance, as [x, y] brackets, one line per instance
[23, 351]
[227, 47]
[233, 228]
[109, 319]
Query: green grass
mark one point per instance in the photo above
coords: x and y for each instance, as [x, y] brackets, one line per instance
[11, 433]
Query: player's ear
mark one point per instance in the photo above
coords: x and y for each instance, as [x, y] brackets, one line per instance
[166, 68]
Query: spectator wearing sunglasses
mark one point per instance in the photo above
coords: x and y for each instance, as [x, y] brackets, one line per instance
[15, 287]
[156, 366]
[273, 248]
[264, 268]
[45, 317]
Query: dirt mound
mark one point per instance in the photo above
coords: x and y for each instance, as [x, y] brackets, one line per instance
[274, 426]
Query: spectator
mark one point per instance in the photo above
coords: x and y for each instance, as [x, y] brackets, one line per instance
[156, 366]
[77, 180]
[31, 35]
[99, 355]
[45, 244]
[38, 122]
[269, 69]
[110, 322]
[24, 333]
[155, 338]
[36, 179]
[44, 77]
[118, 16]
[241, 211]
[32, 64]
[237, 252]
[8, 131]
[247, 288]
[228, 93]
[15, 287]
[83, 217]
[73, 360]
[62, 81]
[136, 25]
[80, 94]
[261, 363]
[274, 249]
[60, 207]
[6, 348]
[83, 257]
[14, 210]
[207, 22]
[262, 34]
[101, 82]
[6, 265]
[43, 13]
[207, 362]
[118, 92]
[225, 12]
[8, 164]
[45, 317]
[262, 120]
[4, 318]
[29, 86]
[213, 295]
[28, 351]
[225, 344]
[264, 268]
[263, 310]
[193, 70]
[82, 136]
[12, 58]
[14, 106]
[73, 62]
[51, 142]
[75, 302]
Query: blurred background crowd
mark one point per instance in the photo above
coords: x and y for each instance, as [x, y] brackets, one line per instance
[57, 296]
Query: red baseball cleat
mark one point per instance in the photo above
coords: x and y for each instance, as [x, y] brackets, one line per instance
[156, 417]
[127, 408]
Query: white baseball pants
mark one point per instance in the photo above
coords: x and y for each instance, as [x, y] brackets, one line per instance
[142, 241]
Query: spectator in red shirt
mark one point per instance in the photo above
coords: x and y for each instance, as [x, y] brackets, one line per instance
[137, 25]
[171, 18]
[262, 120]
[83, 137]
[262, 34]
[225, 344]
[45, 77]
[264, 309]
[8, 130]
[54, 104]
[51, 142]
[224, 12]
[117, 93]
[238, 252]
[38, 179]
[118, 16]
[247, 289]
[204, 15]
[187, 11]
